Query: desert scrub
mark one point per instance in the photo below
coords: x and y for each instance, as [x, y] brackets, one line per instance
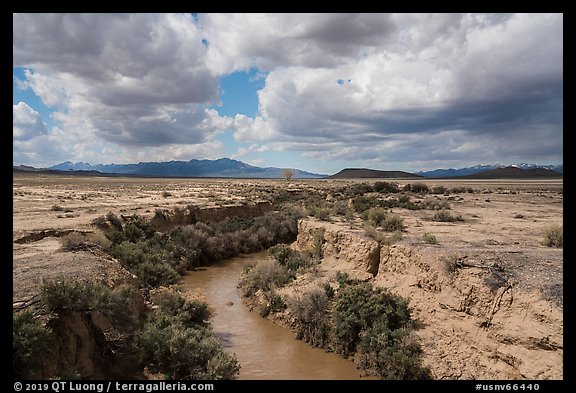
[358, 307]
[311, 310]
[74, 241]
[385, 187]
[77, 241]
[382, 238]
[450, 263]
[445, 216]
[31, 343]
[321, 213]
[158, 258]
[378, 217]
[114, 221]
[439, 190]
[264, 276]
[429, 238]
[177, 340]
[419, 188]
[553, 236]
[392, 354]
[393, 223]
[62, 296]
[290, 259]
[375, 216]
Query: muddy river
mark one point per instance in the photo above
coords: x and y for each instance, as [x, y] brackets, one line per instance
[264, 349]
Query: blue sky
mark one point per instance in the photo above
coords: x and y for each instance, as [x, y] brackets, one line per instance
[318, 92]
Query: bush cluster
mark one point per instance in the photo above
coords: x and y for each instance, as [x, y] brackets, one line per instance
[553, 236]
[311, 309]
[270, 274]
[361, 320]
[177, 340]
[159, 258]
[62, 296]
[31, 343]
[445, 216]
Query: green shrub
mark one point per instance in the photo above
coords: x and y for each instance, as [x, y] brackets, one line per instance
[458, 190]
[272, 303]
[363, 203]
[74, 241]
[188, 310]
[153, 275]
[31, 343]
[313, 318]
[431, 204]
[439, 190]
[265, 275]
[80, 296]
[360, 306]
[340, 208]
[392, 223]
[429, 238]
[360, 189]
[178, 347]
[281, 252]
[419, 188]
[375, 216]
[291, 259]
[445, 216]
[391, 354]
[114, 221]
[553, 236]
[383, 187]
[321, 213]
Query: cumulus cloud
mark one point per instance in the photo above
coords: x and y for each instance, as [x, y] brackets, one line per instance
[268, 41]
[376, 88]
[484, 79]
[138, 79]
[27, 123]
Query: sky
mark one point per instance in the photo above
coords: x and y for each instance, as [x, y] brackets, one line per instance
[317, 92]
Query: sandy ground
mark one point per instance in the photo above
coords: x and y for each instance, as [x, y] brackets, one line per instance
[503, 217]
[503, 223]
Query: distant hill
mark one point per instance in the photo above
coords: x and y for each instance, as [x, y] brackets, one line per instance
[513, 172]
[451, 172]
[30, 169]
[363, 173]
[223, 167]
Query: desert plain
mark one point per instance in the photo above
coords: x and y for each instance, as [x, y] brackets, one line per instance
[469, 329]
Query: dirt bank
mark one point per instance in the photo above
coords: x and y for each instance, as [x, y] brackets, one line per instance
[478, 318]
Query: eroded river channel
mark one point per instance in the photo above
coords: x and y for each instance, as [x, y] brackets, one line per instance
[264, 349]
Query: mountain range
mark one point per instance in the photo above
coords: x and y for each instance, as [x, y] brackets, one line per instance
[223, 167]
[228, 168]
[485, 167]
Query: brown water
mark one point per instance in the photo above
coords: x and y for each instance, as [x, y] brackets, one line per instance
[264, 349]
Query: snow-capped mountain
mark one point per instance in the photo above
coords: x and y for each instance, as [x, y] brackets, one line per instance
[484, 167]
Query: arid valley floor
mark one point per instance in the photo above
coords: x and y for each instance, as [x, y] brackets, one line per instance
[486, 291]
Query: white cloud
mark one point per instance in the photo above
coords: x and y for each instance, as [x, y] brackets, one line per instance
[26, 122]
[138, 79]
[377, 88]
[478, 78]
